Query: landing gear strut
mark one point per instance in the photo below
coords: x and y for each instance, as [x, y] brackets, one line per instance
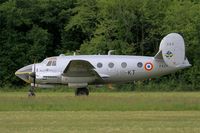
[82, 92]
[31, 92]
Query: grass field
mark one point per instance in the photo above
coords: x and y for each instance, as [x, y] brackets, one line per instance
[127, 101]
[100, 112]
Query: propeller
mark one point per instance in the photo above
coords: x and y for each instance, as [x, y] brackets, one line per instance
[33, 75]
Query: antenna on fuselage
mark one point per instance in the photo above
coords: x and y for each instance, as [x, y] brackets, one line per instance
[110, 52]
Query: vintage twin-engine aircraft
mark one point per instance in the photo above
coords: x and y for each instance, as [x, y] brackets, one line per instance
[79, 71]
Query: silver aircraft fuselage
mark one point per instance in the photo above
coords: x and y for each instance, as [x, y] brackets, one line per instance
[111, 68]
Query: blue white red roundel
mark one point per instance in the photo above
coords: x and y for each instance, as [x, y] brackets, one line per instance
[148, 66]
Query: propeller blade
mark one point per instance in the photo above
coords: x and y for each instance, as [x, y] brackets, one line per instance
[34, 75]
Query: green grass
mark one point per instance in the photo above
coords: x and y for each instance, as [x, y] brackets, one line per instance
[130, 112]
[129, 101]
[100, 122]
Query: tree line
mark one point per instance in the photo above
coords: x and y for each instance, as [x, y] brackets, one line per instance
[35, 29]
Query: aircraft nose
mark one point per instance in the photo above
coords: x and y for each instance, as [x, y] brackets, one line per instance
[24, 72]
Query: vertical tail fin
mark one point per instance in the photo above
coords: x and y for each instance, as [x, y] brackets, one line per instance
[172, 51]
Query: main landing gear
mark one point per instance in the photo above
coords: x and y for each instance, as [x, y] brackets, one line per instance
[78, 92]
[82, 92]
[31, 92]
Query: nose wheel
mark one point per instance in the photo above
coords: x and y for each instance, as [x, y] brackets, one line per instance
[31, 92]
[82, 92]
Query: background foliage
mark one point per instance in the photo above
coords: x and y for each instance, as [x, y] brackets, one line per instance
[34, 29]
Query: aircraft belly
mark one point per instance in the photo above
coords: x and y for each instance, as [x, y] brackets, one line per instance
[66, 80]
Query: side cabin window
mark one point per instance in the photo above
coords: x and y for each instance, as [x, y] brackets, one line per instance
[99, 65]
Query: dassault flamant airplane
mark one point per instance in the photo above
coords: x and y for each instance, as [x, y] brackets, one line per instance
[79, 71]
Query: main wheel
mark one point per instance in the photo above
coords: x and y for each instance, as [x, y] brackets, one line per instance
[30, 94]
[82, 92]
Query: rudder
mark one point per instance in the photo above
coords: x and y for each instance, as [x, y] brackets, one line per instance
[172, 50]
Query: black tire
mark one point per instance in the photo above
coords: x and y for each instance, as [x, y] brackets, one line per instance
[31, 94]
[82, 92]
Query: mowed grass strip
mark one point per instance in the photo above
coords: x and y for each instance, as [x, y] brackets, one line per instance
[118, 101]
[100, 122]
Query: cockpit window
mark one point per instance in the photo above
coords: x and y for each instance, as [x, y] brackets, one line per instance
[49, 63]
[44, 61]
[54, 63]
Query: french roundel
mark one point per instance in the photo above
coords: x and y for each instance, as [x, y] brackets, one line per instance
[148, 66]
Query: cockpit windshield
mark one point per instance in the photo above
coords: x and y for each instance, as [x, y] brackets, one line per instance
[49, 62]
[44, 61]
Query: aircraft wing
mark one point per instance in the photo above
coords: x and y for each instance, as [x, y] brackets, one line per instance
[81, 69]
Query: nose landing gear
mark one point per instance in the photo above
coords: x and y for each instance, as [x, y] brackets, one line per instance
[31, 91]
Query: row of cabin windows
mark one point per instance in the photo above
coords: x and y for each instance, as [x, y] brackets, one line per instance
[51, 63]
[123, 65]
[100, 65]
